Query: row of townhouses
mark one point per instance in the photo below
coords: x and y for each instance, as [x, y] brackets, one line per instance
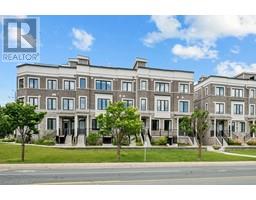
[75, 93]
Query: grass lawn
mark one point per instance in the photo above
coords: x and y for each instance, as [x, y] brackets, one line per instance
[243, 151]
[11, 154]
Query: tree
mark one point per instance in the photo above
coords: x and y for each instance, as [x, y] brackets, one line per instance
[121, 122]
[5, 126]
[23, 118]
[200, 124]
[253, 128]
[185, 125]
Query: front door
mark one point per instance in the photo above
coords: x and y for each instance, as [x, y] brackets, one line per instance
[66, 128]
[220, 128]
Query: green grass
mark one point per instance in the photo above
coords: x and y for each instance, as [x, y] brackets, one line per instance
[243, 151]
[11, 154]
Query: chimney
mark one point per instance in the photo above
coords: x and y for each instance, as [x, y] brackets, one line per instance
[202, 78]
[83, 60]
[140, 62]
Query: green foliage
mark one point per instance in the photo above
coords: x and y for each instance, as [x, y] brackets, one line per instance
[119, 121]
[159, 141]
[124, 142]
[253, 128]
[8, 139]
[5, 125]
[138, 141]
[251, 142]
[47, 139]
[234, 142]
[185, 125]
[93, 139]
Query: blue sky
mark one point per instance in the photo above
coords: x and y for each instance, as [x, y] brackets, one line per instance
[222, 45]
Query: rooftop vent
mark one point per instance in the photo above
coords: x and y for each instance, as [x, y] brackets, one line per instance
[140, 62]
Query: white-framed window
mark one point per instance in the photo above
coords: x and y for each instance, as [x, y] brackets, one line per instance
[161, 87]
[206, 106]
[252, 109]
[127, 86]
[143, 84]
[183, 106]
[162, 105]
[128, 102]
[82, 83]
[242, 127]
[83, 103]
[68, 103]
[103, 85]
[143, 104]
[33, 83]
[183, 87]
[238, 109]
[69, 85]
[237, 92]
[219, 108]
[206, 91]
[51, 84]
[51, 103]
[252, 93]
[102, 103]
[51, 124]
[21, 83]
[219, 91]
[33, 101]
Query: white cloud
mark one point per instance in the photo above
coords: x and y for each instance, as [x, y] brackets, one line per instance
[194, 52]
[229, 68]
[200, 30]
[81, 39]
[235, 50]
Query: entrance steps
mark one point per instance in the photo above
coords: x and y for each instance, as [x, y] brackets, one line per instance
[133, 141]
[81, 141]
[68, 140]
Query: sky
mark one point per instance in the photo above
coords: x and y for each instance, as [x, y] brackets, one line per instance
[220, 45]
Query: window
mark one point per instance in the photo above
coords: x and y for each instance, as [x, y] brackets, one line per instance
[68, 104]
[69, 85]
[252, 109]
[162, 105]
[238, 109]
[51, 84]
[183, 106]
[242, 127]
[237, 92]
[82, 83]
[219, 108]
[128, 102]
[95, 125]
[21, 99]
[51, 104]
[33, 83]
[126, 86]
[252, 93]
[155, 125]
[82, 103]
[233, 127]
[219, 91]
[206, 106]
[206, 91]
[143, 85]
[143, 104]
[184, 88]
[161, 87]
[51, 124]
[21, 83]
[33, 101]
[167, 125]
[102, 104]
[103, 85]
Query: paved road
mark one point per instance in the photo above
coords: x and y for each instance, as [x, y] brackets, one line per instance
[148, 173]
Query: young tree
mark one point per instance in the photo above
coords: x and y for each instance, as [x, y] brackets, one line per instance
[253, 128]
[5, 126]
[23, 118]
[185, 125]
[199, 123]
[121, 122]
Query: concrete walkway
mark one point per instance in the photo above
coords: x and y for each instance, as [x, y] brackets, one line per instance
[222, 150]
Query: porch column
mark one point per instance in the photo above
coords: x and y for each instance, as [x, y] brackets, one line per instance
[214, 124]
[76, 124]
[177, 126]
[150, 121]
[253, 122]
[57, 125]
[87, 124]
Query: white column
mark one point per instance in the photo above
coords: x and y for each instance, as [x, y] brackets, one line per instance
[87, 124]
[214, 124]
[150, 121]
[57, 125]
[76, 124]
[177, 127]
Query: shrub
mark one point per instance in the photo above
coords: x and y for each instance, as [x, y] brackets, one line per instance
[183, 144]
[138, 141]
[160, 141]
[251, 142]
[93, 139]
[8, 139]
[233, 142]
[47, 139]
[216, 147]
[125, 141]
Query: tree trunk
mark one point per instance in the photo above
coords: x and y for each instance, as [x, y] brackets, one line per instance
[200, 148]
[118, 151]
[22, 149]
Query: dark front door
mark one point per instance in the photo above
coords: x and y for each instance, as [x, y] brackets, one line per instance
[66, 128]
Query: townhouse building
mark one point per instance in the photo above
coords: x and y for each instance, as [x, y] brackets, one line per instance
[231, 103]
[75, 93]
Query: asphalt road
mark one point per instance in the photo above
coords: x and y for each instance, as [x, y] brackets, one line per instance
[128, 174]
